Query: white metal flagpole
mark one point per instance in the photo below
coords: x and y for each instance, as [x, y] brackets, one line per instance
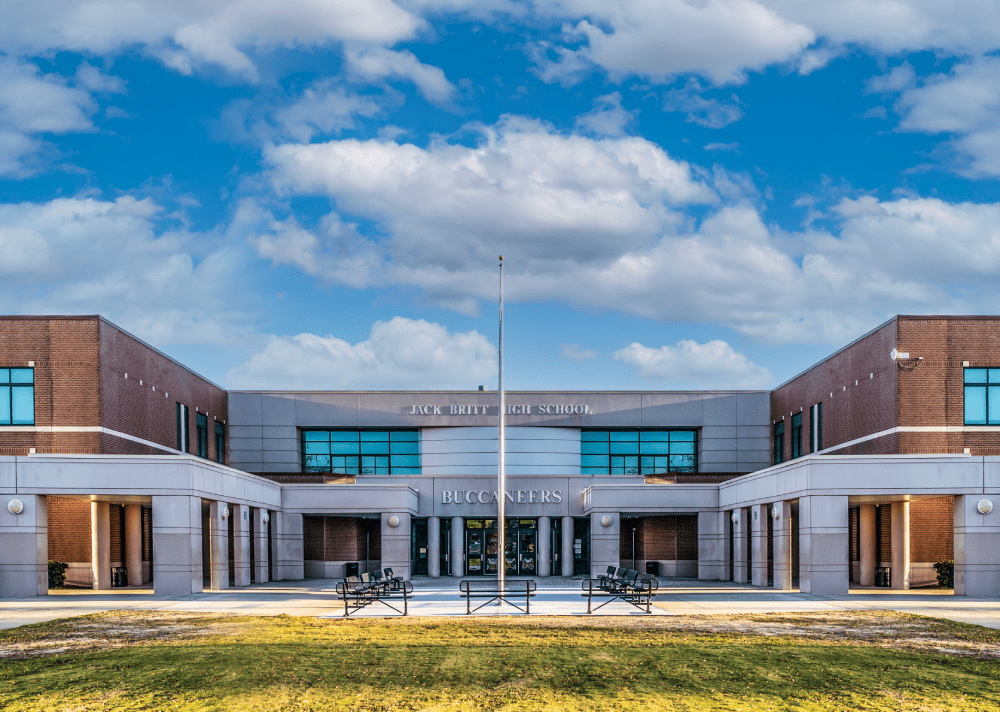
[501, 491]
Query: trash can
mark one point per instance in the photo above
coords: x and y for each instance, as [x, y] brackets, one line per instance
[351, 568]
[653, 568]
[883, 576]
[119, 576]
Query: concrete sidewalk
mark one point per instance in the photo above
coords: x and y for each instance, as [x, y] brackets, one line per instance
[555, 597]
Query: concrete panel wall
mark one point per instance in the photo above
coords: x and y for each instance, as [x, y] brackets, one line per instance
[24, 547]
[177, 563]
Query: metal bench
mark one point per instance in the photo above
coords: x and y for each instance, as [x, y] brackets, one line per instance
[637, 591]
[490, 589]
[358, 594]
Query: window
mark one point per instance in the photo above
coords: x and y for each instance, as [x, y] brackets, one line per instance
[779, 442]
[201, 430]
[220, 442]
[982, 396]
[797, 435]
[635, 452]
[183, 434]
[816, 428]
[17, 396]
[361, 452]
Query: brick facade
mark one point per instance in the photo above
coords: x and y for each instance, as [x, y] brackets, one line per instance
[341, 539]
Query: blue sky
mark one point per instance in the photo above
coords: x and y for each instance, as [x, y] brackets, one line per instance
[688, 194]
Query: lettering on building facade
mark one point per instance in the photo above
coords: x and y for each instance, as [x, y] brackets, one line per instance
[551, 409]
[490, 497]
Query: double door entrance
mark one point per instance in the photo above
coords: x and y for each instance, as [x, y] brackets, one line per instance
[521, 547]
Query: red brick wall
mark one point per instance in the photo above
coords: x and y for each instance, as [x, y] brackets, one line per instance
[341, 538]
[857, 387]
[69, 530]
[932, 530]
[669, 538]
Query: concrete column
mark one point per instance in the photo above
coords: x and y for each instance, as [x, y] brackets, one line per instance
[260, 544]
[604, 551]
[177, 545]
[288, 546]
[241, 544]
[100, 545]
[783, 547]
[758, 544]
[133, 543]
[977, 541]
[433, 547]
[457, 547]
[396, 544]
[727, 545]
[567, 546]
[218, 532]
[823, 545]
[544, 553]
[901, 545]
[710, 546]
[24, 546]
[742, 551]
[867, 532]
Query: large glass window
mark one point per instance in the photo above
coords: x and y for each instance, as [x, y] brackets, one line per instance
[638, 452]
[201, 425]
[182, 428]
[982, 396]
[797, 435]
[779, 442]
[361, 452]
[816, 428]
[220, 442]
[17, 396]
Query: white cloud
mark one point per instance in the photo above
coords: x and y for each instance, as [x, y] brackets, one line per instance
[573, 352]
[399, 354]
[707, 112]
[374, 63]
[688, 362]
[92, 79]
[608, 117]
[899, 78]
[733, 147]
[719, 39]
[81, 255]
[323, 108]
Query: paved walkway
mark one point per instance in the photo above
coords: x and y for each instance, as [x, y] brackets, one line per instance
[555, 597]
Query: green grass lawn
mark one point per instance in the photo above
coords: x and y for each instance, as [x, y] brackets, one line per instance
[165, 662]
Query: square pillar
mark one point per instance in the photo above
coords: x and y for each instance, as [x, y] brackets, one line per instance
[24, 552]
[457, 547]
[783, 547]
[288, 546]
[100, 545]
[241, 544]
[218, 533]
[568, 555]
[261, 519]
[433, 547]
[741, 547]
[544, 554]
[867, 531]
[901, 545]
[133, 543]
[604, 551]
[758, 544]
[711, 563]
[977, 541]
[823, 545]
[396, 543]
[177, 545]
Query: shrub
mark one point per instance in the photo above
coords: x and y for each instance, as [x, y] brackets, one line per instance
[945, 574]
[57, 574]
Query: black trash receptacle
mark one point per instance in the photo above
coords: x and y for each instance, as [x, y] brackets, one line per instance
[883, 576]
[351, 568]
[653, 568]
[119, 577]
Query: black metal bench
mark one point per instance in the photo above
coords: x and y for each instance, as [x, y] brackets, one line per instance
[490, 589]
[637, 591]
[358, 594]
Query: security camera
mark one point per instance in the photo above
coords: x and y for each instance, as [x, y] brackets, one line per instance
[896, 355]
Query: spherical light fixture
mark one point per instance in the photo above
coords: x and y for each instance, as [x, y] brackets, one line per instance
[734, 517]
[394, 521]
[15, 506]
[606, 521]
[225, 512]
[985, 506]
[775, 512]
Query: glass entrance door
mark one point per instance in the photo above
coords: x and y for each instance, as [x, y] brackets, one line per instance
[520, 550]
[481, 547]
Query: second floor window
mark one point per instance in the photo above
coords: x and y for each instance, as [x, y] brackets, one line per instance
[202, 432]
[183, 432]
[220, 442]
[797, 435]
[816, 428]
[361, 452]
[982, 396]
[17, 396]
[638, 452]
[779, 442]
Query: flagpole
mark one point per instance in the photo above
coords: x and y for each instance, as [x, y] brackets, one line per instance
[501, 490]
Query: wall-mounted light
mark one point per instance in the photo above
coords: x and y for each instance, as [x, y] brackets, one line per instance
[775, 512]
[245, 513]
[606, 521]
[15, 506]
[394, 521]
[265, 518]
[734, 517]
[985, 506]
[225, 512]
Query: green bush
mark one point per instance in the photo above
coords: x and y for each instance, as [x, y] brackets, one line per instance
[57, 574]
[945, 574]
